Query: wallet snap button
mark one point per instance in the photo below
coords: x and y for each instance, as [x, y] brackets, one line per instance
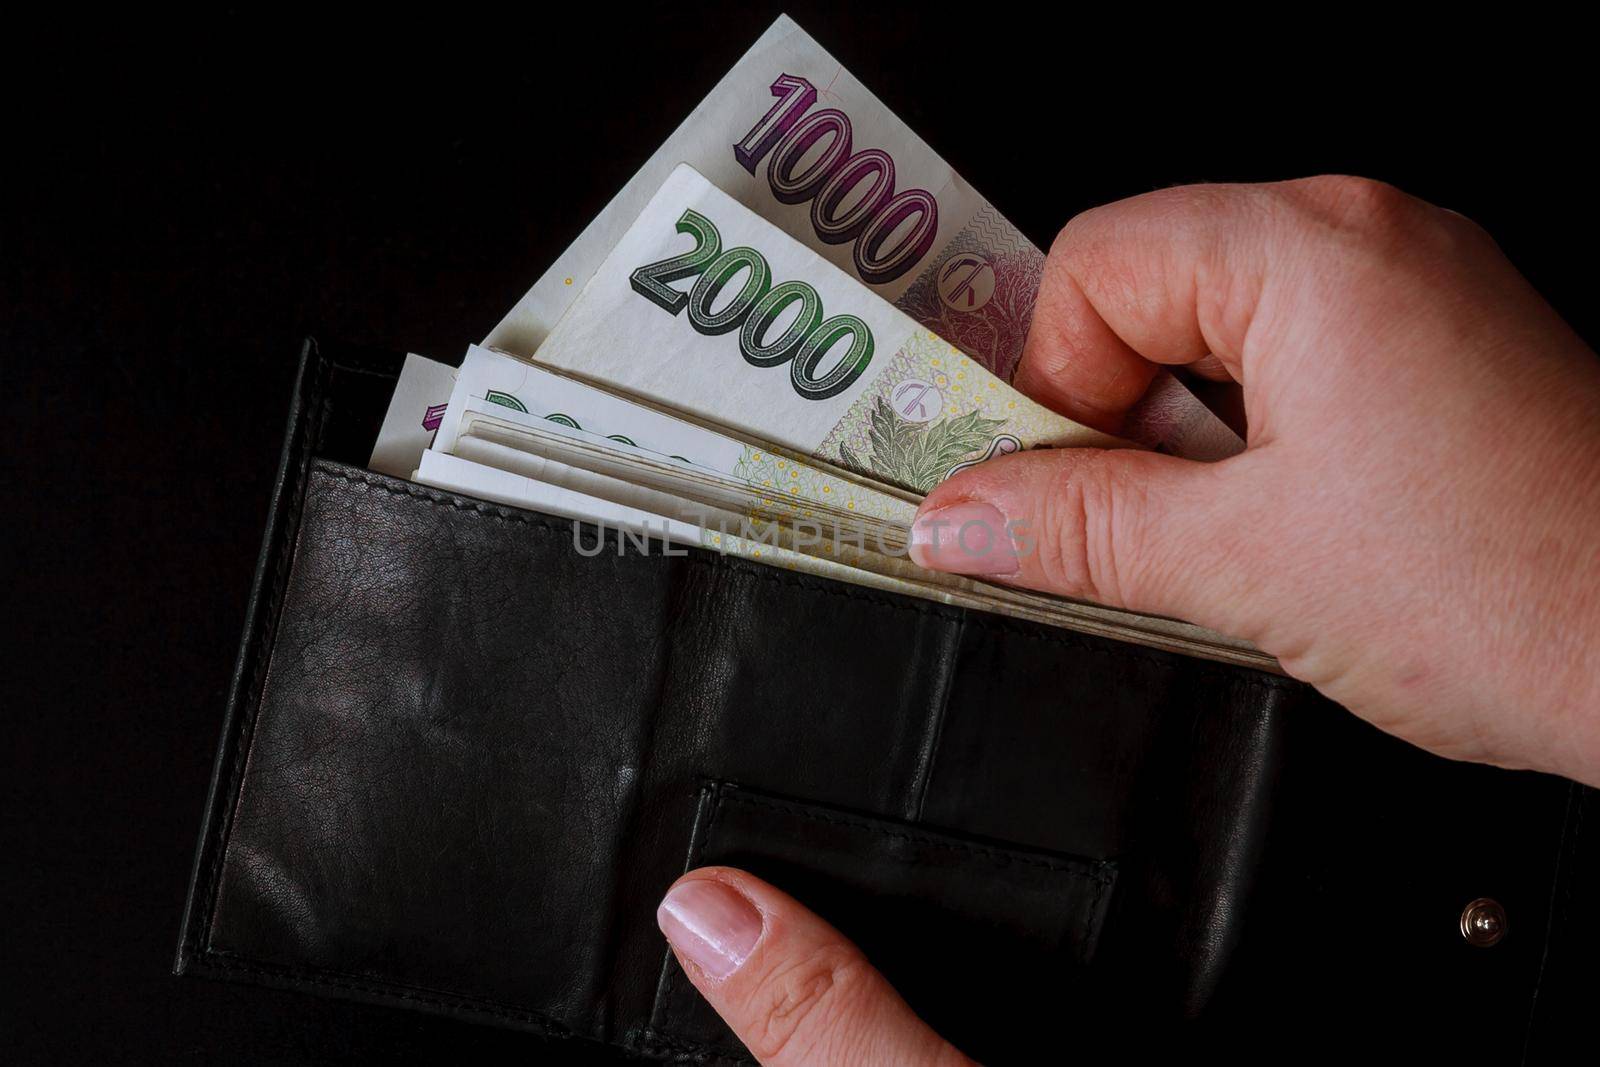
[1483, 923]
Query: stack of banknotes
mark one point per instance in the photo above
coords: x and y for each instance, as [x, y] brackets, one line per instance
[793, 322]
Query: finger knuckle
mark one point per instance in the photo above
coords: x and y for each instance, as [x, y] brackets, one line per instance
[1378, 225]
[1353, 193]
[1072, 234]
[1117, 249]
[1089, 240]
[1460, 234]
[1077, 544]
[802, 1001]
[1350, 202]
[1088, 255]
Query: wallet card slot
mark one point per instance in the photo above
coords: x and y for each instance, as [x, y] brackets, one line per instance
[988, 939]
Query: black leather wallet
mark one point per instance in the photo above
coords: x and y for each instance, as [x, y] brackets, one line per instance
[463, 760]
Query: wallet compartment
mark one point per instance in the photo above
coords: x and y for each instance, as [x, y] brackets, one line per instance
[463, 760]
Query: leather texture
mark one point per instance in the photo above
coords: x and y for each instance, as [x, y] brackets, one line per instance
[1026, 921]
[463, 760]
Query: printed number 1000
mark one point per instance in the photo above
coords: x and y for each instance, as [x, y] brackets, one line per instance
[891, 231]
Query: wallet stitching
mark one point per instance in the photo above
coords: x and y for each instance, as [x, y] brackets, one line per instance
[1167, 661]
[263, 641]
[683, 1049]
[999, 857]
[1562, 905]
[225, 962]
[311, 426]
[696, 850]
[1088, 934]
[375, 370]
[698, 1052]
[929, 763]
[662, 1045]
[1096, 872]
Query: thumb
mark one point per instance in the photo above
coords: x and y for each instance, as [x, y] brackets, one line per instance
[788, 984]
[1127, 529]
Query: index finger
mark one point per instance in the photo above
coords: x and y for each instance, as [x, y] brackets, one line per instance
[1158, 279]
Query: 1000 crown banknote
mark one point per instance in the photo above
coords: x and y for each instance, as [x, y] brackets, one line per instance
[794, 137]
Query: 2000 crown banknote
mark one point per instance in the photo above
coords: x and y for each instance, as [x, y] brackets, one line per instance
[710, 310]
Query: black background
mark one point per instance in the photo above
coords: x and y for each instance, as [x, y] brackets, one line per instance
[183, 202]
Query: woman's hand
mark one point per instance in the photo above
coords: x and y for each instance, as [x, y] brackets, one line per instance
[1415, 525]
[788, 984]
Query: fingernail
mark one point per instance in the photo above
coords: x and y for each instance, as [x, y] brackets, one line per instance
[710, 924]
[964, 539]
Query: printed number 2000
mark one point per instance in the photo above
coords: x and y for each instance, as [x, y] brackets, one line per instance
[805, 343]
